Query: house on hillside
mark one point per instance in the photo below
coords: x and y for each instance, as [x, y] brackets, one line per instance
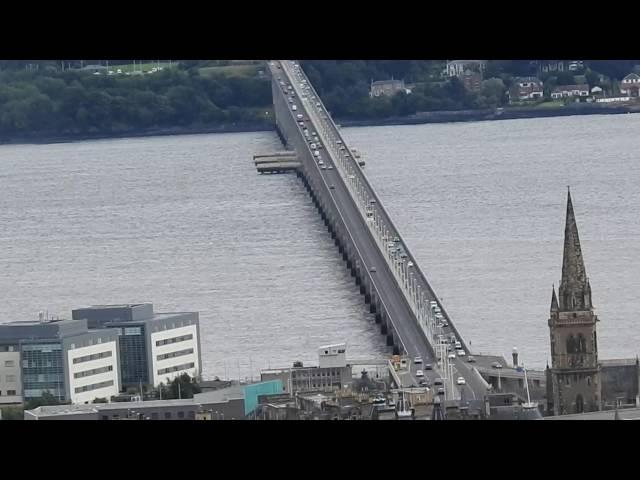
[456, 68]
[630, 85]
[546, 66]
[387, 88]
[565, 91]
[525, 89]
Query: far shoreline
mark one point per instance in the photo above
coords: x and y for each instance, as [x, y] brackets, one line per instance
[416, 119]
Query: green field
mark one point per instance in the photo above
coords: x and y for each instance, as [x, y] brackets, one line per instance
[232, 70]
[552, 104]
[145, 67]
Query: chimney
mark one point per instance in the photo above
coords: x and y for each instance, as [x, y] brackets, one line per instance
[514, 354]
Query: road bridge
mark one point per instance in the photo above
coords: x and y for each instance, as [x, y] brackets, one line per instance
[406, 307]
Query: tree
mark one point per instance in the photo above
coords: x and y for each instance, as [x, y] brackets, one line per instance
[493, 91]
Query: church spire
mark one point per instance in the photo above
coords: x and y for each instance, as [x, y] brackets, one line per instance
[574, 290]
[554, 299]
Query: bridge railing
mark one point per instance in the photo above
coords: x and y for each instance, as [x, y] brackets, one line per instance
[417, 295]
[350, 235]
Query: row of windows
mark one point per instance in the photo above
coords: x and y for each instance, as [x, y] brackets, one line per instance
[168, 341]
[330, 373]
[42, 363]
[42, 377]
[9, 363]
[93, 356]
[90, 342]
[7, 348]
[94, 386]
[93, 371]
[156, 416]
[176, 368]
[178, 353]
[42, 347]
[10, 393]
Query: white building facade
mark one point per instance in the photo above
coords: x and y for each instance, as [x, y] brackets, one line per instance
[93, 371]
[10, 375]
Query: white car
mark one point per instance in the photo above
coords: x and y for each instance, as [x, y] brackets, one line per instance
[417, 360]
[452, 356]
[461, 353]
[419, 373]
[461, 381]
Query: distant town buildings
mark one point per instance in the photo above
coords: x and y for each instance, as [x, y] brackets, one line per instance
[387, 88]
[526, 89]
[559, 65]
[630, 85]
[456, 68]
[564, 91]
[332, 373]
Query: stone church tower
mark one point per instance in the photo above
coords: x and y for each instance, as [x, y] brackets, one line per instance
[575, 373]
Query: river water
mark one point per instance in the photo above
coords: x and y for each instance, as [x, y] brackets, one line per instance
[185, 222]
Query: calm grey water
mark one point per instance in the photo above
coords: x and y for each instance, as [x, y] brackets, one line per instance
[186, 223]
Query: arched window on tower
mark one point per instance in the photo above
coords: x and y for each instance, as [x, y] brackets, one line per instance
[581, 344]
[571, 344]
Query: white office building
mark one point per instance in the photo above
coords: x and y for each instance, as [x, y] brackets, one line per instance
[154, 347]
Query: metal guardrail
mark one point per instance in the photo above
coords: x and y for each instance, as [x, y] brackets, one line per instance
[371, 279]
[419, 312]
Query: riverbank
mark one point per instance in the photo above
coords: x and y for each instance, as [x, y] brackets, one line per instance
[417, 119]
[492, 114]
[227, 128]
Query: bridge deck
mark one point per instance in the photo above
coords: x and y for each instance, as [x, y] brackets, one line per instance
[402, 286]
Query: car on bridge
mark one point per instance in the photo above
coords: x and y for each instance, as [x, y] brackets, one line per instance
[461, 381]
[471, 359]
[417, 360]
[496, 365]
[428, 366]
[452, 356]
[461, 353]
[419, 373]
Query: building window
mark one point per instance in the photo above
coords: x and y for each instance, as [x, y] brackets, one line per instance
[104, 417]
[11, 378]
[167, 415]
[177, 368]
[95, 386]
[168, 341]
[154, 416]
[178, 353]
[11, 392]
[181, 415]
[94, 371]
[95, 356]
[9, 363]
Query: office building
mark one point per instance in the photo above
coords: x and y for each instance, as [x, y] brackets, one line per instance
[61, 357]
[153, 347]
